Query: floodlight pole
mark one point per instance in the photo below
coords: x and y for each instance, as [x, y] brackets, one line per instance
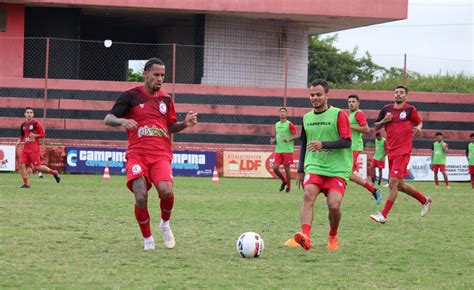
[46, 75]
[404, 69]
[285, 92]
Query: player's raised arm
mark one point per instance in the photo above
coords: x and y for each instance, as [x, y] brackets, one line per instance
[189, 121]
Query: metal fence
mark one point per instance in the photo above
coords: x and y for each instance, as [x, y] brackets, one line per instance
[76, 113]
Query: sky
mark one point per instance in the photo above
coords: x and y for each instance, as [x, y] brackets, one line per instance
[437, 36]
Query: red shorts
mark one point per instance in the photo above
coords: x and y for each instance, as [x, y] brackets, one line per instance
[355, 165]
[471, 169]
[326, 183]
[30, 159]
[398, 165]
[378, 163]
[283, 158]
[154, 169]
[440, 167]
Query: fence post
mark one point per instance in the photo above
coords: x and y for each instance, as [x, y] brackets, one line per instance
[285, 92]
[46, 75]
[404, 69]
[173, 79]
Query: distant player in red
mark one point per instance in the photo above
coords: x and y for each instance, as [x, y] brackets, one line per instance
[31, 132]
[401, 122]
[149, 116]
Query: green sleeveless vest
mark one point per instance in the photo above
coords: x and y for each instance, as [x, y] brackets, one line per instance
[439, 156]
[326, 162]
[379, 149]
[282, 132]
[357, 141]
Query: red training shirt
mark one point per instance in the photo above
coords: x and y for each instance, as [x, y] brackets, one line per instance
[400, 129]
[153, 114]
[360, 118]
[32, 145]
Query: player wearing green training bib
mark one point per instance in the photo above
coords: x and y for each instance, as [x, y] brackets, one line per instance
[438, 158]
[470, 158]
[359, 126]
[285, 133]
[378, 161]
[325, 162]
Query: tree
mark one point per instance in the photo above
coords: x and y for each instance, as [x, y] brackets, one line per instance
[339, 67]
[134, 76]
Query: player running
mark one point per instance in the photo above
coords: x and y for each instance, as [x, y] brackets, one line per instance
[378, 161]
[359, 126]
[31, 133]
[149, 116]
[401, 122]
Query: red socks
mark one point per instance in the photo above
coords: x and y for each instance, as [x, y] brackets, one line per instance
[52, 172]
[306, 229]
[166, 206]
[387, 207]
[143, 219]
[25, 181]
[437, 182]
[333, 232]
[369, 187]
[420, 197]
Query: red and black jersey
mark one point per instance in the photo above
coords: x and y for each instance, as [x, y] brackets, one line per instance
[153, 114]
[31, 143]
[400, 129]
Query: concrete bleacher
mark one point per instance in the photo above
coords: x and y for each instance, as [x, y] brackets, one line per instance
[230, 117]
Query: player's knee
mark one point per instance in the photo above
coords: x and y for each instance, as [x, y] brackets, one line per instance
[334, 207]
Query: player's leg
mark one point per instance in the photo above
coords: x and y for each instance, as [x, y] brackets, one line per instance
[278, 157]
[443, 171]
[24, 175]
[336, 188]
[376, 193]
[372, 172]
[413, 192]
[380, 176]
[312, 188]
[162, 176]
[46, 169]
[139, 188]
[288, 177]
[435, 173]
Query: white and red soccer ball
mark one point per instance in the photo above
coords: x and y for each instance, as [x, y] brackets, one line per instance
[250, 245]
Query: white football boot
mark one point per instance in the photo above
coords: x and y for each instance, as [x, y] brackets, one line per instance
[167, 234]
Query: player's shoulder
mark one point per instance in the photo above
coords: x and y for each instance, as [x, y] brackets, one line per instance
[388, 107]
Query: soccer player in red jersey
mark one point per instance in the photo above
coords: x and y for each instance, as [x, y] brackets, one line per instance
[285, 134]
[148, 115]
[359, 126]
[401, 122]
[326, 159]
[31, 132]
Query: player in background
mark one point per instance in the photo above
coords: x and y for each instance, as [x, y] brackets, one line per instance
[401, 122]
[31, 132]
[285, 134]
[148, 115]
[378, 161]
[359, 127]
[438, 159]
[326, 159]
[470, 158]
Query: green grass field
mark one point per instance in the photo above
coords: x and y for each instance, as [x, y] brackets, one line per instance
[82, 233]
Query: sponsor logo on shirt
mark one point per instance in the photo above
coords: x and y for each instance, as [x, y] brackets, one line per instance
[325, 123]
[153, 131]
[29, 139]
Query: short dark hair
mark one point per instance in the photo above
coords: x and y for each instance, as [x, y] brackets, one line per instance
[439, 134]
[283, 108]
[353, 96]
[472, 135]
[402, 87]
[151, 62]
[28, 108]
[322, 83]
[378, 134]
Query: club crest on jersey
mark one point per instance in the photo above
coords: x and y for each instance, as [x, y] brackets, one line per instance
[403, 115]
[163, 108]
[136, 169]
[31, 127]
[142, 105]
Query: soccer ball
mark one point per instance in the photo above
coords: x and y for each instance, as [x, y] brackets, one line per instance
[250, 245]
